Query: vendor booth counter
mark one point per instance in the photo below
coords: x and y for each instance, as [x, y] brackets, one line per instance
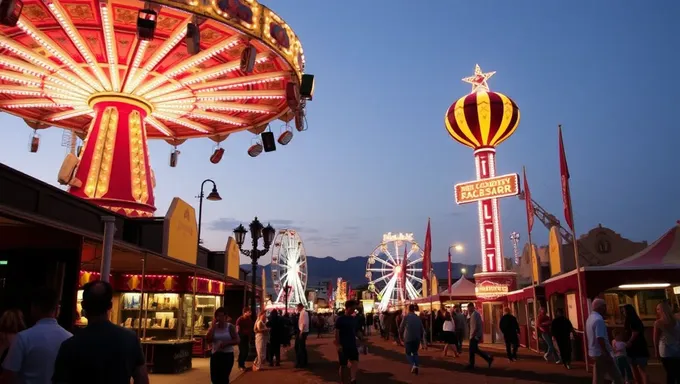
[170, 313]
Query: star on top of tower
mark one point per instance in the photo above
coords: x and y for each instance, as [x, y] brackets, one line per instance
[478, 81]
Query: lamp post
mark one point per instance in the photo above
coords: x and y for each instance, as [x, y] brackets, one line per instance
[286, 290]
[462, 271]
[459, 249]
[257, 231]
[514, 237]
[212, 196]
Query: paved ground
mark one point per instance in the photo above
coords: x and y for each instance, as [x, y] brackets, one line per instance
[386, 364]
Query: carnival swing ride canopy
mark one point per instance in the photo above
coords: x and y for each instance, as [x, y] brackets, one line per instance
[119, 72]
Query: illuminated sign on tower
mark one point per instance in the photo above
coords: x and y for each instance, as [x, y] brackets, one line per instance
[481, 120]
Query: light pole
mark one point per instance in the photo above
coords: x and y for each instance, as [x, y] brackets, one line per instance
[257, 231]
[459, 249]
[514, 237]
[462, 271]
[286, 290]
[212, 196]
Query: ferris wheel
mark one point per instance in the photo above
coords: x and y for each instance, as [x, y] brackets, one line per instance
[394, 270]
[289, 267]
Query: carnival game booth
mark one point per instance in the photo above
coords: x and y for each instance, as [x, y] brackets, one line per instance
[642, 280]
[521, 302]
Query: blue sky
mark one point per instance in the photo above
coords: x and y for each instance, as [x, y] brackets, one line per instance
[377, 157]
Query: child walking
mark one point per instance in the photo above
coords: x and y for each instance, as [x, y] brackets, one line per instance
[619, 348]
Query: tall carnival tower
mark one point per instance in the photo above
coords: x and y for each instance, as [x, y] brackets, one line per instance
[481, 120]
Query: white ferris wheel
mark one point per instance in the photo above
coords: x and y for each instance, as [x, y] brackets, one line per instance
[289, 267]
[394, 270]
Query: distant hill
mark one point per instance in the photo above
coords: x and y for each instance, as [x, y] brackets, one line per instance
[354, 270]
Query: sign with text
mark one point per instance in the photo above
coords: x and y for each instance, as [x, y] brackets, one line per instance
[489, 289]
[180, 234]
[491, 188]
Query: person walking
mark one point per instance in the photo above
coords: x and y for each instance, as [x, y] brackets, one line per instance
[412, 332]
[244, 328]
[459, 321]
[223, 336]
[31, 357]
[544, 323]
[563, 332]
[261, 338]
[476, 334]
[346, 333]
[510, 329]
[667, 342]
[102, 352]
[276, 336]
[301, 338]
[599, 348]
[449, 334]
[11, 323]
[636, 346]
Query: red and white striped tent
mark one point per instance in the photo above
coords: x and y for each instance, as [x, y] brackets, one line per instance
[665, 252]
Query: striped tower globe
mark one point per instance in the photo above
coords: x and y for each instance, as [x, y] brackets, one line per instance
[482, 119]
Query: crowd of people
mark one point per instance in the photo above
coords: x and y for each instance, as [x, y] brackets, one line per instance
[104, 352]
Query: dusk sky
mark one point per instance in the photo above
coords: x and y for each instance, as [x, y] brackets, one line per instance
[377, 157]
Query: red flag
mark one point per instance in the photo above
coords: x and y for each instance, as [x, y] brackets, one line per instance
[427, 255]
[564, 173]
[527, 200]
[449, 270]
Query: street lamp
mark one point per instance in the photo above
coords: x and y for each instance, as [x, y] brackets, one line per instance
[458, 247]
[257, 231]
[462, 271]
[212, 196]
[286, 290]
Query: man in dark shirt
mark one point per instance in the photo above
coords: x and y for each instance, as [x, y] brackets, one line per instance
[346, 329]
[510, 329]
[244, 327]
[103, 352]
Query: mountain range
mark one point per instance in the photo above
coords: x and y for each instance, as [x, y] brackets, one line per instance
[324, 269]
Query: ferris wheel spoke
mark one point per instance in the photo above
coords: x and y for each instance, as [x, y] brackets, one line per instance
[380, 279]
[387, 292]
[376, 270]
[413, 292]
[418, 279]
[387, 253]
[397, 251]
[410, 263]
[383, 262]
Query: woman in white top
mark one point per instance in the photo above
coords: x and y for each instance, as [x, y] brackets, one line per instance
[261, 339]
[449, 334]
[223, 337]
[667, 342]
